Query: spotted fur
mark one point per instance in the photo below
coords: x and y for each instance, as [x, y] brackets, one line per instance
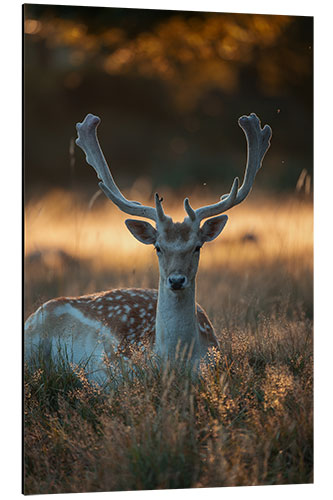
[128, 316]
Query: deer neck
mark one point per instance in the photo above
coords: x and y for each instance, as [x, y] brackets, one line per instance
[176, 322]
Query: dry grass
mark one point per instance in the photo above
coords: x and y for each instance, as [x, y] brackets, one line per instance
[249, 421]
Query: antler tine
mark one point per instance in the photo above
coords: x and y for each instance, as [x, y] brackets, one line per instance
[87, 140]
[227, 201]
[159, 209]
[189, 210]
[258, 142]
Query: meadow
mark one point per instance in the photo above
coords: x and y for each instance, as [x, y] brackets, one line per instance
[248, 421]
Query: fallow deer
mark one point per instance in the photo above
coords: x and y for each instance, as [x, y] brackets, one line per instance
[97, 325]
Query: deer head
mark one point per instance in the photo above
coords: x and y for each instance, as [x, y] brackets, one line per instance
[177, 244]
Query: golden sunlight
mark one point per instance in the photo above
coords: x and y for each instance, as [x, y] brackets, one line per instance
[278, 231]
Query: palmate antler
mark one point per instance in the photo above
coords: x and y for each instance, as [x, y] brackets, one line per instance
[258, 142]
[88, 142]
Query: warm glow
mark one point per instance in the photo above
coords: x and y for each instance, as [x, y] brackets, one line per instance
[118, 59]
[202, 53]
[261, 231]
[32, 26]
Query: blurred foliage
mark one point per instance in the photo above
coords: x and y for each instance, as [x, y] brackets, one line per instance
[169, 87]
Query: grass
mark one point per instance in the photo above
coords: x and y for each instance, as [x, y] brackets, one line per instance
[248, 421]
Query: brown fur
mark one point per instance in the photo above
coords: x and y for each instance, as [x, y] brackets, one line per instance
[130, 313]
[177, 231]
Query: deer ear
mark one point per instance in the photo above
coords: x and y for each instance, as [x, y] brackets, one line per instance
[142, 231]
[212, 228]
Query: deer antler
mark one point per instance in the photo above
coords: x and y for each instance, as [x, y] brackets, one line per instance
[258, 142]
[87, 140]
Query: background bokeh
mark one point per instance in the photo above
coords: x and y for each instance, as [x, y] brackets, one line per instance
[169, 87]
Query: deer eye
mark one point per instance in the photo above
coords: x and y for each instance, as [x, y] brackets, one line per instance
[197, 248]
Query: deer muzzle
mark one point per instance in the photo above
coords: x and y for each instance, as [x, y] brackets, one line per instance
[177, 281]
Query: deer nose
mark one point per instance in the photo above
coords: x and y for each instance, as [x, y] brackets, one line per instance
[177, 281]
